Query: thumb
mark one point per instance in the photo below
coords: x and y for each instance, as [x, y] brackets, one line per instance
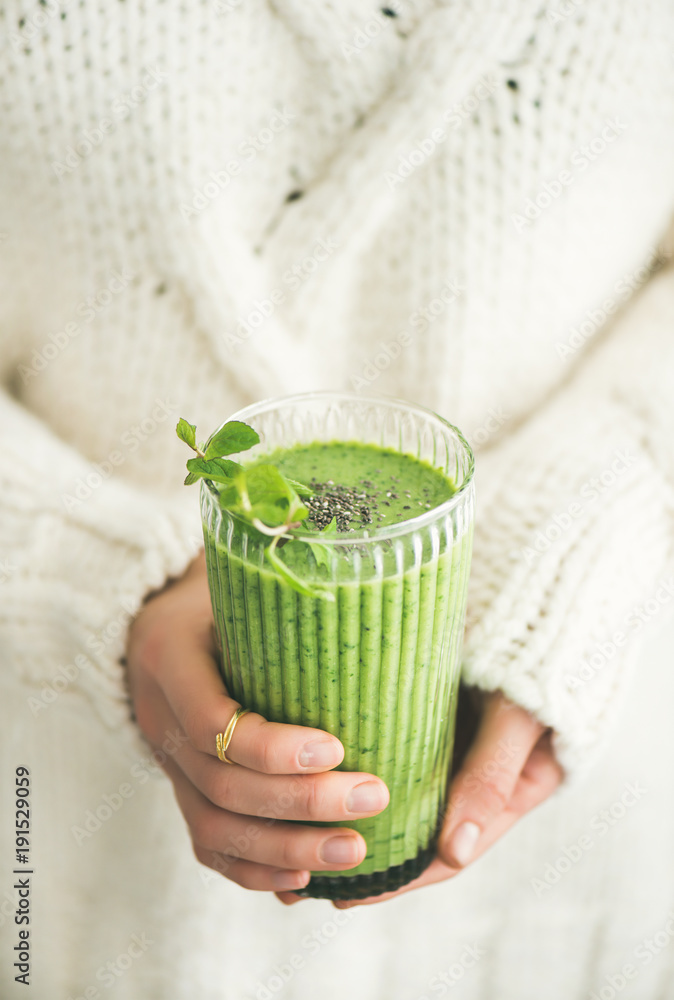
[484, 786]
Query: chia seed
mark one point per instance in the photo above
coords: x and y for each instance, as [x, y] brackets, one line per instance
[349, 507]
[354, 508]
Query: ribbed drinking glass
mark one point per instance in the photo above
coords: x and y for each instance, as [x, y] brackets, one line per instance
[378, 666]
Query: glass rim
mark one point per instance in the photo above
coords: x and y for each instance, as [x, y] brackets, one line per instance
[363, 535]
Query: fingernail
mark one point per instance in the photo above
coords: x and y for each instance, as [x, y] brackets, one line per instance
[367, 797]
[340, 850]
[319, 753]
[283, 879]
[462, 843]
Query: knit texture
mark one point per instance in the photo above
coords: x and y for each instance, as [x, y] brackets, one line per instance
[206, 203]
[204, 206]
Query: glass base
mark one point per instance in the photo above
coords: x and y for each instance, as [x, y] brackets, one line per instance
[363, 886]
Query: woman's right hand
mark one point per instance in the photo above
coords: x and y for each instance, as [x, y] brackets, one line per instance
[245, 818]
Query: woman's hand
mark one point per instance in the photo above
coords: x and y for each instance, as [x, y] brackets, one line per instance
[245, 818]
[508, 770]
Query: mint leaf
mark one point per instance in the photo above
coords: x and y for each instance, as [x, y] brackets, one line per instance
[229, 497]
[187, 433]
[232, 437]
[323, 553]
[291, 578]
[265, 482]
[300, 488]
[260, 494]
[221, 470]
[268, 497]
[273, 515]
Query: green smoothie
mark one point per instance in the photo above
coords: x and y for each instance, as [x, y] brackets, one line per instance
[377, 666]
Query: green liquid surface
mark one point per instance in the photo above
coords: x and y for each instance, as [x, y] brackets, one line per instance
[394, 487]
[378, 665]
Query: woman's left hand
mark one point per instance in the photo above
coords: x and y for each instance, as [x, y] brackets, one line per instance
[508, 770]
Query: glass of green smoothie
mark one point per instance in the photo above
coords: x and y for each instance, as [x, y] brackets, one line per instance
[370, 652]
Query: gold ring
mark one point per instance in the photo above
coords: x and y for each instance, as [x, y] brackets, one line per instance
[222, 740]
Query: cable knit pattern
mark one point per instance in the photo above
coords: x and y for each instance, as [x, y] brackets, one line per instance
[203, 208]
[100, 555]
[203, 204]
[554, 582]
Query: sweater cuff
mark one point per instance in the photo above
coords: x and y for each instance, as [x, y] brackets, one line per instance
[556, 602]
[75, 582]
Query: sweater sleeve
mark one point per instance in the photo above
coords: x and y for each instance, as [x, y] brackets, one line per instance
[74, 574]
[573, 543]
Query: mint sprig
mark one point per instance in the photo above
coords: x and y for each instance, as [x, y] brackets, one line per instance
[322, 553]
[261, 495]
[232, 437]
[221, 470]
[187, 433]
[210, 462]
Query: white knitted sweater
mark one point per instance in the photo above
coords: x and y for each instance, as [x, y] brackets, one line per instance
[503, 177]
[205, 204]
[203, 208]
